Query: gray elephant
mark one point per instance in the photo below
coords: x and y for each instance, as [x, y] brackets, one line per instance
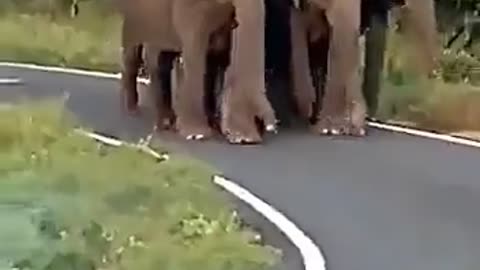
[186, 26]
[342, 109]
[148, 61]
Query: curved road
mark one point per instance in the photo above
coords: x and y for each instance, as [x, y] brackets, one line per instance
[385, 202]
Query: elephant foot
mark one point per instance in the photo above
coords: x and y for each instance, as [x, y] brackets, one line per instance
[358, 115]
[338, 126]
[241, 115]
[242, 134]
[130, 104]
[305, 107]
[164, 123]
[193, 130]
[329, 124]
[351, 123]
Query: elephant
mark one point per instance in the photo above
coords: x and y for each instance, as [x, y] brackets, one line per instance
[323, 33]
[164, 62]
[341, 108]
[186, 26]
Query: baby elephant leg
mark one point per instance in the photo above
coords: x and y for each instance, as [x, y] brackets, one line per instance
[163, 111]
[131, 61]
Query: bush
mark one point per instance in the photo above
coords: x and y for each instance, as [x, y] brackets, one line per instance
[67, 202]
[81, 42]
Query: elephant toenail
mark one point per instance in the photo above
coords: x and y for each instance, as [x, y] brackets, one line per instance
[335, 131]
[271, 128]
[199, 137]
[325, 131]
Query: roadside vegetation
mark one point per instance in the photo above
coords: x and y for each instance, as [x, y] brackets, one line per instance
[68, 202]
[43, 32]
[450, 102]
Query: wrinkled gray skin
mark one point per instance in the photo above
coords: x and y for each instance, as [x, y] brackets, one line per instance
[218, 58]
[342, 106]
[342, 109]
[186, 26]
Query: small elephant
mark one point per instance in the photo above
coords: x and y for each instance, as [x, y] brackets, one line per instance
[342, 110]
[186, 27]
[218, 57]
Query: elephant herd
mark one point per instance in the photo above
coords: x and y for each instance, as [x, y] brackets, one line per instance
[216, 48]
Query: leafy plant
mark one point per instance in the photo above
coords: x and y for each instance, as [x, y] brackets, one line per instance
[88, 206]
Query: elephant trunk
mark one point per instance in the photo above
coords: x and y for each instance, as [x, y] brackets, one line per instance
[421, 28]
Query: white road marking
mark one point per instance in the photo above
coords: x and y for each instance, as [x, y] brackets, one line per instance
[9, 81]
[312, 256]
[426, 134]
[97, 74]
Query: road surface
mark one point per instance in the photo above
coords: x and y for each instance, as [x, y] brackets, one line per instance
[388, 201]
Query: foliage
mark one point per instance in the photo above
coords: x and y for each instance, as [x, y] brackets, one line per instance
[80, 42]
[67, 202]
[460, 38]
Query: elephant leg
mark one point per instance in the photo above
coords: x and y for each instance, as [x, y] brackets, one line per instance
[166, 67]
[303, 89]
[217, 64]
[343, 106]
[188, 101]
[374, 58]
[131, 61]
[163, 112]
[210, 85]
[244, 100]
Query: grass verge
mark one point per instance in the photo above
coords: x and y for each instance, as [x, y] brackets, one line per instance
[67, 202]
[79, 43]
[447, 106]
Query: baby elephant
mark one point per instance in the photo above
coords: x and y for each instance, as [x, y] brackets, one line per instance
[195, 29]
[218, 58]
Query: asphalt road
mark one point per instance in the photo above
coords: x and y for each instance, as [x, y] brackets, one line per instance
[388, 201]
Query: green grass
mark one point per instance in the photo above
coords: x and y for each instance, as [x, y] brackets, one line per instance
[67, 201]
[447, 103]
[434, 105]
[81, 42]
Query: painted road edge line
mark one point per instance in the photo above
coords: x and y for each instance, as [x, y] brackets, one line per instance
[426, 134]
[10, 81]
[374, 124]
[98, 74]
[311, 254]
